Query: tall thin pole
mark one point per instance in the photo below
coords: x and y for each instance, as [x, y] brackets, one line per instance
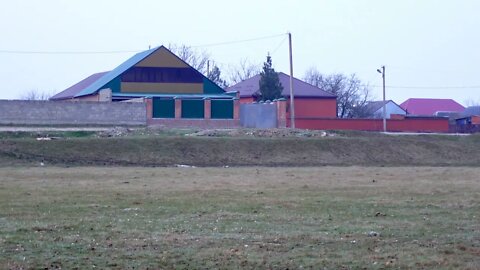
[292, 103]
[384, 103]
[208, 68]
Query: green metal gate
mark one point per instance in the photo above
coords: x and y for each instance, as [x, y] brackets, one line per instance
[193, 108]
[163, 108]
[222, 109]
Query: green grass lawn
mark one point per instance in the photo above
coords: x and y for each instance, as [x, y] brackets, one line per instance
[250, 217]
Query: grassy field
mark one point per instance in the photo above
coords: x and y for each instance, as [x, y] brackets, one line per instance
[249, 217]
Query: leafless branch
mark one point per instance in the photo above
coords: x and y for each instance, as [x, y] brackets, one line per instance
[242, 71]
[35, 95]
[198, 59]
[352, 95]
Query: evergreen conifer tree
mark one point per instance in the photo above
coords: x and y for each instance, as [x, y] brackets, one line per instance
[270, 86]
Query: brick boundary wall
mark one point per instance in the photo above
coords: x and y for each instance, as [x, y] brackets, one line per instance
[25, 112]
[427, 124]
[179, 122]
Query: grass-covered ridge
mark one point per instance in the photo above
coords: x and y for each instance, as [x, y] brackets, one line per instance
[140, 148]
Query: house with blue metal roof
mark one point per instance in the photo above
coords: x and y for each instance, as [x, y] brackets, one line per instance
[155, 72]
[170, 87]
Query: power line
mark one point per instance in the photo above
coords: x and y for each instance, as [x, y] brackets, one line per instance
[65, 52]
[237, 41]
[135, 51]
[428, 87]
[279, 45]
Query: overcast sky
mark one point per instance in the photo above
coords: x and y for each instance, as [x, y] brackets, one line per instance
[430, 48]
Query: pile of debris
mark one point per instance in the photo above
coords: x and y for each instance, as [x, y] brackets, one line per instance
[261, 133]
[115, 132]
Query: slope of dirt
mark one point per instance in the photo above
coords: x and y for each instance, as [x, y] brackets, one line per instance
[221, 150]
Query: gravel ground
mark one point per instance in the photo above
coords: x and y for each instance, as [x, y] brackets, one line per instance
[34, 129]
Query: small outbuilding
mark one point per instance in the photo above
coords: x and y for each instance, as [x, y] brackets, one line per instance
[375, 109]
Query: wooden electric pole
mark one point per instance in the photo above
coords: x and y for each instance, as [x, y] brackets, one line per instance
[292, 102]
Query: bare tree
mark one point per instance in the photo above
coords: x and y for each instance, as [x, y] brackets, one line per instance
[242, 71]
[352, 95]
[472, 103]
[35, 95]
[215, 75]
[313, 77]
[198, 59]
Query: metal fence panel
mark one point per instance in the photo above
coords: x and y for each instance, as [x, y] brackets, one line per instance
[193, 108]
[258, 115]
[163, 108]
[222, 109]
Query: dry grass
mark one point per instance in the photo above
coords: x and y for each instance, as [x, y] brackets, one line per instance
[251, 217]
[362, 149]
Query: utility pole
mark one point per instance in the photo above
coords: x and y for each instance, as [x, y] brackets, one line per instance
[292, 102]
[382, 71]
[384, 103]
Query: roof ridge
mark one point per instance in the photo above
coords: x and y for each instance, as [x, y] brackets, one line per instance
[108, 77]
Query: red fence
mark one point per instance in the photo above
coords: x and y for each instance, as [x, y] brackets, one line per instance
[423, 124]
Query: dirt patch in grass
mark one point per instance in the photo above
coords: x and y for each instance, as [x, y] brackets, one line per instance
[250, 217]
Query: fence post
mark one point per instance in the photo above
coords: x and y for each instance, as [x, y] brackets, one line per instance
[178, 108]
[207, 108]
[281, 113]
[149, 109]
[236, 109]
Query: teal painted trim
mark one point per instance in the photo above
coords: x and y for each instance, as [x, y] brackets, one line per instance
[222, 109]
[114, 85]
[210, 87]
[163, 108]
[182, 96]
[193, 108]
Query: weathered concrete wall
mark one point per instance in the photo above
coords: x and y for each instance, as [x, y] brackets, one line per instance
[20, 112]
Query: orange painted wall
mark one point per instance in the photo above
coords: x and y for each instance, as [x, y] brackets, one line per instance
[393, 125]
[162, 58]
[309, 107]
[314, 107]
[247, 100]
[475, 120]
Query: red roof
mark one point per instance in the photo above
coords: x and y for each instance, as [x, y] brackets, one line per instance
[430, 106]
[78, 87]
[250, 87]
